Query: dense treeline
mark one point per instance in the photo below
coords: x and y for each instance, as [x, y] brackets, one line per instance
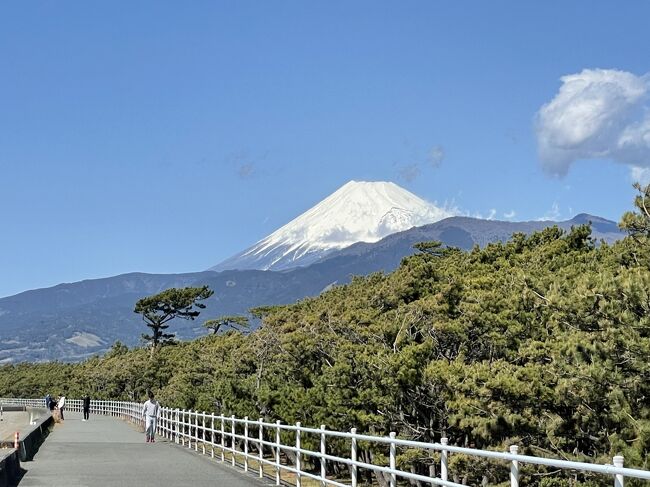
[543, 341]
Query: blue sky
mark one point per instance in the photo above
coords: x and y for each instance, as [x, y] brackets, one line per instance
[167, 136]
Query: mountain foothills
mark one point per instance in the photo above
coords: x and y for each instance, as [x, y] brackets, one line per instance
[542, 341]
[74, 321]
[363, 227]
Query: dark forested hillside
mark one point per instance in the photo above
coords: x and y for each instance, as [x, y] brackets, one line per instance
[74, 321]
[541, 341]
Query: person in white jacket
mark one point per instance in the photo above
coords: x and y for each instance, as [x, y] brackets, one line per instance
[60, 405]
[150, 415]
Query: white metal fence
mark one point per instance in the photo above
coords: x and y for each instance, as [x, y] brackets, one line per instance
[254, 444]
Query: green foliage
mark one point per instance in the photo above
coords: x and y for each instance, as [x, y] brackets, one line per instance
[542, 341]
[434, 249]
[117, 349]
[161, 308]
[637, 223]
[235, 322]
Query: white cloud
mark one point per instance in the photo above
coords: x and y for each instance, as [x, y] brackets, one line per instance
[477, 214]
[246, 171]
[597, 114]
[436, 155]
[431, 159]
[509, 215]
[553, 214]
[410, 172]
[640, 175]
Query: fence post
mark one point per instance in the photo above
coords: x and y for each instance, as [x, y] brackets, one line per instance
[181, 426]
[323, 451]
[232, 438]
[187, 432]
[196, 431]
[353, 457]
[177, 425]
[393, 459]
[514, 468]
[619, 480]
[181, 430]
[245, 443]
[189, 428]
[212, 434]
[203, 432]
[261, 436]
[298, 455]
[277, 453]
[223, 439]
[444, 459]
[190, 425]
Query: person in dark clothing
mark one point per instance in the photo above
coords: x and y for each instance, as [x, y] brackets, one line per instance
[86, 405]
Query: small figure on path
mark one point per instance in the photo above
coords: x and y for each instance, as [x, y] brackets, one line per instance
[86, 404]
[48, 402]
[150, 414]
[61, 405]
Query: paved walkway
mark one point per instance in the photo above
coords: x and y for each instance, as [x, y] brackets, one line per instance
[13, 421]
[109, 452]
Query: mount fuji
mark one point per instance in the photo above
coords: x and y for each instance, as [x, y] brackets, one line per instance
[358, 211]
[341, 237]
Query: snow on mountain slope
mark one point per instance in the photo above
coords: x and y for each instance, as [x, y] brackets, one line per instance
[357, 212]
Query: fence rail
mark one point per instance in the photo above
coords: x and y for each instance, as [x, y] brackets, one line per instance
[236, 436]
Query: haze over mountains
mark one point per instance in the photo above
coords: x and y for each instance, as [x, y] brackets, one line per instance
[338, 238]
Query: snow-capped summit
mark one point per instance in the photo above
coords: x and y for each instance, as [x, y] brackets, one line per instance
[359, 211]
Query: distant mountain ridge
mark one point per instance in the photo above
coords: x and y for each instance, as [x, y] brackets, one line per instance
[359, 211]
[465, 232]
[74, 321]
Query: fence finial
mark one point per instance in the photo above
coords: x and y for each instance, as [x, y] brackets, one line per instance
[619, 480]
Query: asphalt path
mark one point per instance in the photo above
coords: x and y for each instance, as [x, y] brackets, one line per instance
[109, 452]
[13, 421]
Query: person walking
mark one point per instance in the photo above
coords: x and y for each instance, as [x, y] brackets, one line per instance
[60, 405]
[150, 415]
[86, 405]
[48, 401]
